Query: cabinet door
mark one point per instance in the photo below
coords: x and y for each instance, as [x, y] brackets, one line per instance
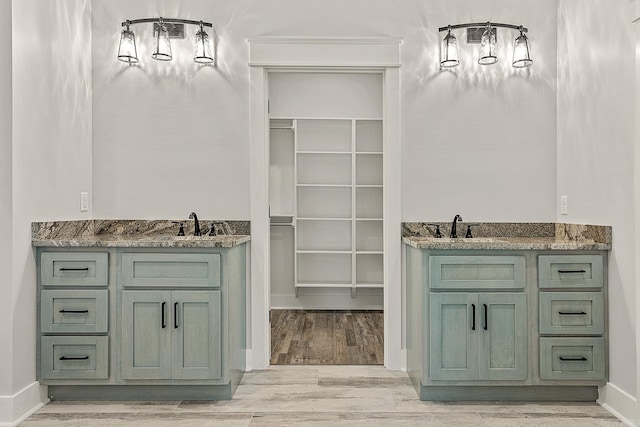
[503, 330]
[146, 335]
[453, 336]
[196, 334]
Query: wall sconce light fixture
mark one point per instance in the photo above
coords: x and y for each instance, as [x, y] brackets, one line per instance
[485, 34]
[164, 30]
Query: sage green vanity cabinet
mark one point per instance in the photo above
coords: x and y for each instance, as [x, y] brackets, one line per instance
[492, 324]
[477, 336]
[132, 323]
[572, 317]
[171, 335]
[73, 316]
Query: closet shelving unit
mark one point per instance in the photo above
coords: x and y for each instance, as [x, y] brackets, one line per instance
[338, 215]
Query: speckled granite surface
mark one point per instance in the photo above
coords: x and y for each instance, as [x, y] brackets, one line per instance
[523, 236]
[138, 233]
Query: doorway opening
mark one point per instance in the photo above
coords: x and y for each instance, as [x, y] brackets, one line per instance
[327, 337]
[326, 212]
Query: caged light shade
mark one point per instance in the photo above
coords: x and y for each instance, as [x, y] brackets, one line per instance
[449, 51]
[203, 52]
[162, 48]
[488, 47]
[127, 51]
[521, 52]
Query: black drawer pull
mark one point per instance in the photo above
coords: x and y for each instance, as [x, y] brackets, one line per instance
[473, 320]
[573, 313]
[74, 269]
[74, 358]
[486, 326]
[74, 311]
[164, 320]
[572, 271]
[175, 315]
[573, 359]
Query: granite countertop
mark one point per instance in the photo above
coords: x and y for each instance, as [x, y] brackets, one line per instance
[510, 236]
[137, 234]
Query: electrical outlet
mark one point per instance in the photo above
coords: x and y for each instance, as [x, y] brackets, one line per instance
[564, 205]
[84, 201]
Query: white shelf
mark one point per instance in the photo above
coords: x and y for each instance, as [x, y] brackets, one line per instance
[369, 170]
[323, 219]
[324, 202]
[339, 204]
[331, 135]
[369, 268]
[359, 119]
[369, 202]
[324, 185]
[369, 285]
[324, 285]
[323, 152]
[368, 135]
[319, 251]
[324, 168]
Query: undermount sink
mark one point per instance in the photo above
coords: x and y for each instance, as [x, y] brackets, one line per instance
[465, 240]
[190, 237]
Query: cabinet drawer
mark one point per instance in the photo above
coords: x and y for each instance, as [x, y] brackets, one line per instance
[467, 272]
[572, 359]
[67, 311]
[571, 313]
[73, 269]
[570, 271]
[74, 358]
[170, 270]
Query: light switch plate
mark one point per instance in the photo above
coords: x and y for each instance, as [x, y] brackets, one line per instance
[84, 201]
[564, 205]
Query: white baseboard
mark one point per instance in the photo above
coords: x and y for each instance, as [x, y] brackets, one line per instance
[15, 409]
[327, 301]
[248, 357]
[403, 360]
[619, 403]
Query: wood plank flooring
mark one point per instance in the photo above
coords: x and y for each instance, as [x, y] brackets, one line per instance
[321, 396]
[327, 337]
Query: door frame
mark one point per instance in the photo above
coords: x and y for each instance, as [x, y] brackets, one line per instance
[304, 54]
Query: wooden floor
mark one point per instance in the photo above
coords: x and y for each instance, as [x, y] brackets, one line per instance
[318, 337]
[320, 396]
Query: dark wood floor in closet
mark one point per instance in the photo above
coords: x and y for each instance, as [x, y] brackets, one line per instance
[314, 337]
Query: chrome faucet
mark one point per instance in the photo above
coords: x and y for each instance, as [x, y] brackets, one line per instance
[454, 233]
[196, 230]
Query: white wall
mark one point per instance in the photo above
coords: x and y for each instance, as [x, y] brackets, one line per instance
[51, 144]
[173, 137]
[479, 141]
[596, 53]
[6, 267]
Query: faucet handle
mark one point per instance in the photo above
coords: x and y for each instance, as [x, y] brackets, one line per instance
[212, 229]
[468, 235]
[438, 234]
[181, 231]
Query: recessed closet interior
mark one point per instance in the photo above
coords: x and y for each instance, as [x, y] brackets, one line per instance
[326, 192]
